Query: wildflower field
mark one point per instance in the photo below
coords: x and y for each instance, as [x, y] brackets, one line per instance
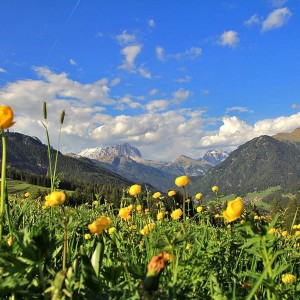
[156, 245]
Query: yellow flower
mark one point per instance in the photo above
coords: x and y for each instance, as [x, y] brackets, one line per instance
[146, 211]
[95, 203]
[176, 214]
[147, 228]
[133, 227]
[187, 200]
[199, 209]
[98, 226]
[272, 231]
[139, 207]
[156, 195]
[10, 240]
[55, 199]
[112, 230]
[182, 181]
[198, 196]
[135, 190]
[234, 209]
[215, 188]
[125, 212]
[188, 246]
[298, 226]
[284, 233]
[171, 193]
[6, 117]
[26, 195]
[160, 216]
[256, 217]
[295, 227]
[297, 232]
[71, 212]
[87, 236]
[288, 278]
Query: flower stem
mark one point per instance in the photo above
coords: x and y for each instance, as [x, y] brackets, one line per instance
[3, 182]
[65, 248]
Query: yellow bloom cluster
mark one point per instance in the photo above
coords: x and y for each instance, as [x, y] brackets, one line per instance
[171, 193]
[199, 209]
[156, 195]
[125, 212]
[147, 228]
[160, 216]
[296, 226]
[182, 181]
[288, 278]
[135, 190]
[98, 226]
[55, 199]
[234, 209]
[6, 117]
[139, 207]
[198, 196]
[176, 214]
[27, 195]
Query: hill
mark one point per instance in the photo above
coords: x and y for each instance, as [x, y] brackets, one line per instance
[256, 165]
[30, 155]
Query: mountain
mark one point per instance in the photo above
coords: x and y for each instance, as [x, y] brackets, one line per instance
[293, 137]
[127, 161]
[215, 156]
[256, 165]
[125, 150]
[30, 155]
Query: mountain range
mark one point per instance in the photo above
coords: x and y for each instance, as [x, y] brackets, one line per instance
[127, 161]
[263, 162]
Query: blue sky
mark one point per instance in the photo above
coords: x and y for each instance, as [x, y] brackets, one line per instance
[169, 77]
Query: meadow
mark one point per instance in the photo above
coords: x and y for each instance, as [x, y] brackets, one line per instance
[155, 245]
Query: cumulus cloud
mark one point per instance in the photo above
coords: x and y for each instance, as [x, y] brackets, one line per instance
[181, 95]
[229, 38]
[191, 53]
[2, 70]
[235, 131]
[115, 81]
[253, 20]
[144, 72]
[157, 105]
[276, 19]
[295, 106]
[278, 3]
[126, 38]
[130, 53]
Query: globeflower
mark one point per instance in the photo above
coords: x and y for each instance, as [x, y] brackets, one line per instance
[171, 193]
[176, 214]
[139, 207]
[234, 209]
[156, 195]
[125, 212]
[6, 117]
[288, 278]
[112, 230]
[55, 199]
[215, 188]
[135, 190]
[98, 226]
[182, 181]
[160, 216]
[198, 196]
[26, 195]
[199, 209]
[147, 228]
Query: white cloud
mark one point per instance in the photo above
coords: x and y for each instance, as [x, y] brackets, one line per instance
[2, 70]
[253, 20]
[295, 106]
[235, 131]
[115, 81]
[186, 78]
[181, 95]
[239, 109]
[130, 53]
[276, 19]
[157, 105]
[151, 23]
[126, 38]
[144, 72]
[72, 62]
[205, 91]
[229, 38]
[160, 53]
[153, 92]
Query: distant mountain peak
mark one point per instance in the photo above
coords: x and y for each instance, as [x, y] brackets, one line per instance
[293, 136]
[215, 156]
[125, 150]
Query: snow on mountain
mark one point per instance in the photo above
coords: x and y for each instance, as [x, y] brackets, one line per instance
[215, 156]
